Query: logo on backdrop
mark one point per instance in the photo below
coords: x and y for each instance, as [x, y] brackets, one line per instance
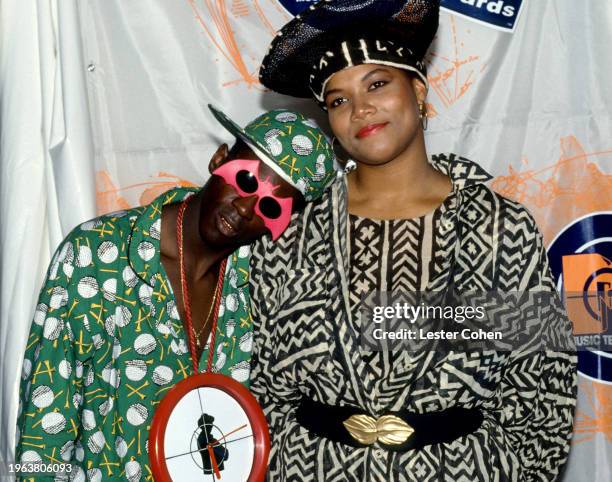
[297, 6]
[581, 263]
[500, 14]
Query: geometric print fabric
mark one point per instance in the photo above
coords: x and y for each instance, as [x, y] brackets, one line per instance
[307, 345]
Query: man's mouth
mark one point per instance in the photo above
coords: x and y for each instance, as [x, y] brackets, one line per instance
[226, 227]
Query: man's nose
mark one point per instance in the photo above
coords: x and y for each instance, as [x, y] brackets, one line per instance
[246, 206]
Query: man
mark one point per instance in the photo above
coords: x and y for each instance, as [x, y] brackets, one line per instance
[109, 337]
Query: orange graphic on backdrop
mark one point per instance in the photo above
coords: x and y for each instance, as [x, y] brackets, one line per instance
[455, 73]
[595, 415]
[109, 198]
[223, 36]
[240, 8]
[450, 83]
[587, 274]
[571, 187]
[264, 19]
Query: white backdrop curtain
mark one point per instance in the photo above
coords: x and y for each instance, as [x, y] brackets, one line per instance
[46, 167]
[103, 106]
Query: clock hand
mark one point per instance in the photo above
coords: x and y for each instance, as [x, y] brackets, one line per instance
[213, 459]
[216, 444]
[229, 433]
[227, 442]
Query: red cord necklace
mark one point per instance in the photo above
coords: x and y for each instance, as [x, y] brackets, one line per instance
[191, 335]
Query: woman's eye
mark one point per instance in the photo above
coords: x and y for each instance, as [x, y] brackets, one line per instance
[336, 102]
[377, 84]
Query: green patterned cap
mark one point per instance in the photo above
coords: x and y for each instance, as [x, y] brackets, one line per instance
[291, 144]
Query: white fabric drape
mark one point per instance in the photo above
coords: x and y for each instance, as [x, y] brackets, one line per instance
[46, 167]
[103, 105]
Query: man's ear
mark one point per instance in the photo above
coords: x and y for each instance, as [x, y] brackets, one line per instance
[218, 158]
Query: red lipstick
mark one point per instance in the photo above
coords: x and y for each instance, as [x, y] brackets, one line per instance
[370, 129]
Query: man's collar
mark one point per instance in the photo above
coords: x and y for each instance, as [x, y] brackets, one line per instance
[144, 249]
[463, 172]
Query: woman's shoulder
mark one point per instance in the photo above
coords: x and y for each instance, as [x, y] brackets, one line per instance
[512, 211]
[499, 206]
[478, 199]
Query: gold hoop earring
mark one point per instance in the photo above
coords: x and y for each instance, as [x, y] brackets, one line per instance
[423, 115]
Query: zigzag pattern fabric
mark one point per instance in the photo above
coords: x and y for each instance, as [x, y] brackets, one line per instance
[307, 344]
[392, 256]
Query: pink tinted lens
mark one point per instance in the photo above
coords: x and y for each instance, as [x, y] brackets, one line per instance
[229, 171]
[277, 226]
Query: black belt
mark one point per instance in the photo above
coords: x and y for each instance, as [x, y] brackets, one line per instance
[396, 431]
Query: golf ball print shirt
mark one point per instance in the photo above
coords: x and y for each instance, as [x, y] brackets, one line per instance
[106, 345]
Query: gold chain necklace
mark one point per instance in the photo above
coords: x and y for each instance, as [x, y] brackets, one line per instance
[210, 310]
[184, 289]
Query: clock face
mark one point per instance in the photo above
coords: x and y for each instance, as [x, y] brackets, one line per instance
[209, 428]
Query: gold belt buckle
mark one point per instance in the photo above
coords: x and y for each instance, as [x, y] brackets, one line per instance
[388, 429]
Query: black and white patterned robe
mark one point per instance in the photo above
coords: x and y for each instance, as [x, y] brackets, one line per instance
[306, 344]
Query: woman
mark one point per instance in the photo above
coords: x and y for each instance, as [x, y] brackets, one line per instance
[337, 410]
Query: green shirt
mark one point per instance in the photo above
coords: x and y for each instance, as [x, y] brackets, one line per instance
[107, 343]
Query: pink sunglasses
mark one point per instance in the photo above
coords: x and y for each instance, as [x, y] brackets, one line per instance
[243, 176]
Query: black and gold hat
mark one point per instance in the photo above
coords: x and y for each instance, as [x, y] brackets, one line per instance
[332, 35]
